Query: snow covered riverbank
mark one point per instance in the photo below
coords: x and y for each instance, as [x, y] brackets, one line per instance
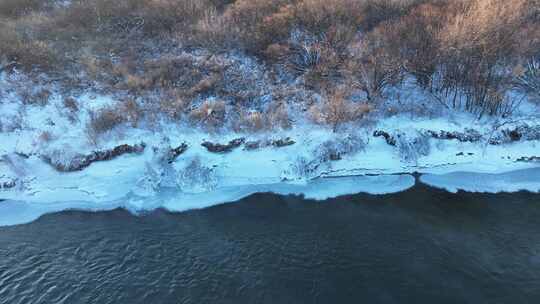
[198, 178]
[48, 162]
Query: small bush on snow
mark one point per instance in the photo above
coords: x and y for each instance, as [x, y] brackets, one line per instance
[102, 121]
[411, 148]
[108, 118]
[197, 177]
[335, 149]
[10, 123]
[40, 97]
[193, 177]
[274, 116]
[150, 182]
[336, 109]
[304, 168]
[529, 79]
[210, 114]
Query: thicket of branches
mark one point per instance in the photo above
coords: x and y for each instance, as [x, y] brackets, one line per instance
[469, 54]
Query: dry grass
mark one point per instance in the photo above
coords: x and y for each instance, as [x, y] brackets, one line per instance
[174, 105]
[44, 138]
[107, 119]
[336, 110]
[210, 114]
[466, 48]
[17, 8]
[27, 52]
[40, 97]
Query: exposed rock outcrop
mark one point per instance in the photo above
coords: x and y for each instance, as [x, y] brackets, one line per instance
[173, 153]
[469, 135]
[531, 159]
[7, 183]
[254, 145]
[389, 138]
[259, 144]
[223, 148]
[79, 162]
[283, 142]
[463, 154]
[523, 132]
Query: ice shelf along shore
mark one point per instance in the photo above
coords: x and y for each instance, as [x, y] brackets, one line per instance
[14, 211]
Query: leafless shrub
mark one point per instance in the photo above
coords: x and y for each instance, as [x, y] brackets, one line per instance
[40, 97]
[196, 177]
[108, 118]
[15, 164]
[414, 40]
[305, 50]
[336, 110]
[174, 105]
[210, 114]
[411, 148]
[463, 52]
[11, 123]
[477, 42]
[273, 116]
[277, 116]
[304, 168]
[528, 79]
[252, 121]
[370, 67]
[45, 137]
[333, 150]
[102, 121]
[132, 111]
[71, 104]
[28, 53]
[136, 83]
[70, 107]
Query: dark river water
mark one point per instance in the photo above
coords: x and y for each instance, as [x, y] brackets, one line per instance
[420, 246]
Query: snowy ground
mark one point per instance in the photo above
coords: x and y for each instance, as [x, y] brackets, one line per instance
[199, 178]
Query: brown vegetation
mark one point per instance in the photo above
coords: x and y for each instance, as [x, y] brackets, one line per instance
[336, 109]
[469, 54]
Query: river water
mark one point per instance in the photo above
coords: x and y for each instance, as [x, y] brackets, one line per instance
[420, 246]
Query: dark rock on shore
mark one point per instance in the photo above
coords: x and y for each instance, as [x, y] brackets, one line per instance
[283, 142]
[81, 162]
[278, 143]
[173, 153]
[223, 148]
[468, 136]
[8, 68]
[524, 132]
[253, 145]
[532, 159]
[389, 138]
[7, 183]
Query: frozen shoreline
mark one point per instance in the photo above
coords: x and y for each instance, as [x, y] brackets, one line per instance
[14, 211]
[138, 183]
[110, 192]
[319, 164]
